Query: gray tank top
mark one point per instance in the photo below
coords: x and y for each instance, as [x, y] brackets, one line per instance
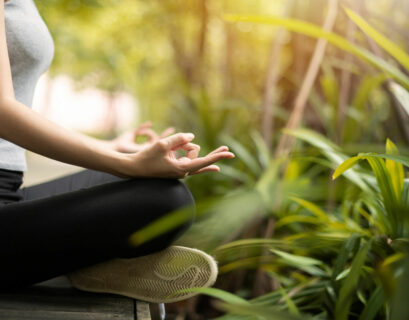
[31, 51]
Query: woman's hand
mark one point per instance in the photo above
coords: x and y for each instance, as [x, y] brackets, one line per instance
[159, 159]
[126, 143]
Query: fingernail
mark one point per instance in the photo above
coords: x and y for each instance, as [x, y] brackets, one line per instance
[190, 136]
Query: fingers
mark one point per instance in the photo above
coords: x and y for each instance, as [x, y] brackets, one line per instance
[212, 168]
[192, 150]
[199, 163]
[175, 141]
[203, 164]
[146, 130]
[143, 127]
[220, 149]
[167, 132]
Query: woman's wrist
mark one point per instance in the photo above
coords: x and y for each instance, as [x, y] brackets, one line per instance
[125, 165]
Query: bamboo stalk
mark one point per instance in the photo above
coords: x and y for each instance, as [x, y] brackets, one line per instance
[344, 96]
[286, 142]
[201, 46]
[346, 77]
[226, 66]
[273, 73]
[267, 123]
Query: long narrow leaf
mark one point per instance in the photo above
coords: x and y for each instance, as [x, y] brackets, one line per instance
[263, 154]
[380, 39]
[395, 169]
[385, 184]
[395, 157]
[312, 207]
[400, 306]
[401, 94]
[289, 302]
[343, 256]
[219, 294]
[296, 260]
[257, 312]
[243, 154]
[236, 174]
[312, 30]
[331, 151]
[375, 303]
[346, 294]
[345, 166]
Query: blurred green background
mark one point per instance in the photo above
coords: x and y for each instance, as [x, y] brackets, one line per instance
[291, 242]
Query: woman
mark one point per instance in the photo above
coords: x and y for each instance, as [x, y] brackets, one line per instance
[82, 220]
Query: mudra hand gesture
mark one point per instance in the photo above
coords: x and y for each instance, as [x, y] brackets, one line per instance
[158, 159]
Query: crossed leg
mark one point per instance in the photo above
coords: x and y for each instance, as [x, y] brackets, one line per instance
[83, 219]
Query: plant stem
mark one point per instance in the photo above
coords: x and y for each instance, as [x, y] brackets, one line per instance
[346, 76]
[286, 142]
[273, 73]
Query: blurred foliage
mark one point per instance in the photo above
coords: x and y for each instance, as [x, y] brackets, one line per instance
[171, 54]
[291, 242]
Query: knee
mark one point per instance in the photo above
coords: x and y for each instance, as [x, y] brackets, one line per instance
[179, 205]
[155, 198]
[178, 196]
[172, 213]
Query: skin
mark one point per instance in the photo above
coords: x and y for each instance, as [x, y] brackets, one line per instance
[121, 156]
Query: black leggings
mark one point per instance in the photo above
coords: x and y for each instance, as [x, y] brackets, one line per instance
[59, 226]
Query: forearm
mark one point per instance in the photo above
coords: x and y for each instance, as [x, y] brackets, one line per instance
[28, 129]
[107, 144]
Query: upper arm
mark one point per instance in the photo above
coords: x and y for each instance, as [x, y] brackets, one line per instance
[6, 83]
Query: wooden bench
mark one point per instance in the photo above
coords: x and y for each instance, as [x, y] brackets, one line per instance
[57, 300]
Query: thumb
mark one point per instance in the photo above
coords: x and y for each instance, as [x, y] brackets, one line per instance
[177, 140]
